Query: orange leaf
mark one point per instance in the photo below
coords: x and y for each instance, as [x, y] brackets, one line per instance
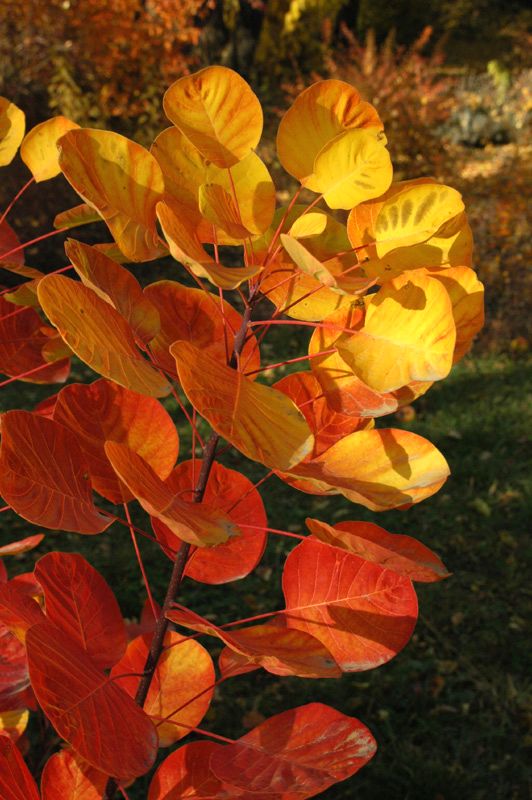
[56, 495]
[16, 781]
[121, 180]
[231, 492]
[81, 214]
[92, 713]
[184, 671]
[258, 420]
[303, 750]
[103, 411]
[193, 523]
[401, 554]
[318, 115]
[68, 776]
[186, 248]
[115, 285]
[362, 613]
[197, 317]
[21, 545]
[80, 603]
[217, 111]
[39, 147]
[98, 335]
[466, 293]
[272, 646]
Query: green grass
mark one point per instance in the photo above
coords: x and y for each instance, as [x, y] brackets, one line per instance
[451, 712]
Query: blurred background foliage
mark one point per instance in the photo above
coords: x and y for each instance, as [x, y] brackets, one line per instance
[452, 82]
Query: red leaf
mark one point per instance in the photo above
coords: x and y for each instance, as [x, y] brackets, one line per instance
[67, 776]
[82, 605]
[103, 411]
[402, 554]
[22, 338]
[304, 750]
[231, 492]
[43, 475]
[93, 714]
[16, 782]
[18, 611]
[9, 241]
[362, 613]
[13, 669]
[186, 773]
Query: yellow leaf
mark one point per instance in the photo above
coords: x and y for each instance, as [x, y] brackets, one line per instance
[98, 335]
[307, 262]
[186, 248]
[219, 208]
[39, 147]
[380, 468]
[259, 421]
[14, 723]
[12, 127]
[122, 181]
[408, 334]
[466, 293]
[413, 215]
[317, 116]
[217, 111]
[350, 169]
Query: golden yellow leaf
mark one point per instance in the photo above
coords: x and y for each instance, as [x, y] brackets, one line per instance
[466, 293]
[350, 169]
[408, 334]
[318, 115]
[12, 127]
[259, 421]
[218, 112]
[39, 147]
[380, 468]
[122, 181]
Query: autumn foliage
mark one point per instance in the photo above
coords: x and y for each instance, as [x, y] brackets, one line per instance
[376, 274]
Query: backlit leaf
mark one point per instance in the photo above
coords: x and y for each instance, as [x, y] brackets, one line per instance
[22, 339]
[466, 293]
[217, 111]
[352, 168]
[103, 411]
[303, 750]
[200, 318]
[80, 602]
[44, 476]
[68, 776]
[98, 335]
[10, 241]
[121, 180]
[14, 723]
[258, 420]
[231, 492]
[362, 613]
[344, 391]
[21, 545]
[82, 214]
[186, 774]
[412, 216]
[306, 262]
[193, 523]
[14, 679]
[402, 554]
[186, 248]
[380, 468]
[39, 147]
[184, 169]
[274, 647]
[16, 781]
[12, 127]
[18, 611]
[115, 285]
[319, 114]
[184, 670]
[408, 334]
[92, 713]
